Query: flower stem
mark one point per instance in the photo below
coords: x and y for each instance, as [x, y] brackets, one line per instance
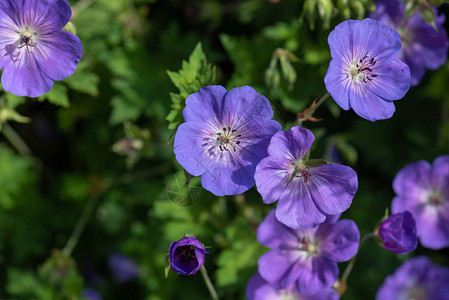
[342, 282]
[209, 284]
[80, 225]
[308, 112]
[15, 140]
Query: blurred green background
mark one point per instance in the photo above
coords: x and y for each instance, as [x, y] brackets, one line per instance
[98, 149]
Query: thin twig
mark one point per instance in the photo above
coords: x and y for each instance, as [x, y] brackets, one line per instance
[15, 140]
[308, 112]
[209, 284]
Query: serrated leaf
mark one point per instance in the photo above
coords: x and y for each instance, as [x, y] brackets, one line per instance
[195, 73]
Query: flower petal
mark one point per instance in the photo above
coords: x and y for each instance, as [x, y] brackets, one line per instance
[296, 208]
[332, 187]
[46, 15]
[340, 241]
[292, 144]
[316, 275]
[204, 106]
[280, 269]
[273, 234]
[368, 105]
[338, 82]
[272, 176]
[412, 179]
[22, 76]
[259, 289]
[58, 54]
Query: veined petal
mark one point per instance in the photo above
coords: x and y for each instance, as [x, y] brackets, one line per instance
[413, 179]
[205, 106]
[340, 241]
[22, 76]
[58, 54]
[280, 268]
[259, 289]
[316, 275]
[46, 15]
[338, 82]
[368, 105]
[292, 144]
[296, 208]
[273, 234]
[332, 187]
[272, 177]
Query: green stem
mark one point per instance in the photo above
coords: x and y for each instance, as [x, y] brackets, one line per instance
[209, 284]
[80, 225]
[15, 140]
[350, 265]
[312, 111]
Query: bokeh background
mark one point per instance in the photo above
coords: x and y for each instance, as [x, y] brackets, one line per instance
[98, 149]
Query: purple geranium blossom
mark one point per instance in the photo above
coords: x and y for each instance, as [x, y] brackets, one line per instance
[397, 233]
[91, 294]
[423, 46]
[423, 189]
[417, 278]
[364, 73]
[307, 258]
[307, 190]
[187, 255]
[259, 289]
[224, 137]
[33, 50]
[122, 267]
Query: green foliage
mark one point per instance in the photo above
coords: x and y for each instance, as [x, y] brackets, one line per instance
[194, 74]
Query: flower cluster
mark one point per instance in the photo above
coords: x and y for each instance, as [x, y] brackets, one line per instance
[423, 190]
[34, 51]
[423, 47]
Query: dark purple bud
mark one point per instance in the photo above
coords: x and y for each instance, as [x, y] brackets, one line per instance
[122, 267]
[397, 233]
[187, 256]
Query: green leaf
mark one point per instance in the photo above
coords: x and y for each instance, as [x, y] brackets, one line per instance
[57, 95]
[193, 75]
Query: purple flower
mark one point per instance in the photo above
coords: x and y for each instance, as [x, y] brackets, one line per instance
[307, 190]
[307, 258]
[91, 294]
[398, 233]
[417, 278]
[259, 289]
[187, 256]
[224, 137]
[423, 190]
[364, 73]
[423, 46]
[33, 50]
[122, 267]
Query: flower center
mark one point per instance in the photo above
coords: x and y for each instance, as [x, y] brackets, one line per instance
[300, 171]
[435, 197]
[27, 39]
[286, 295]
[228, 138]
[185, 254]
[417, 293]
[309, 246]
[362, 70]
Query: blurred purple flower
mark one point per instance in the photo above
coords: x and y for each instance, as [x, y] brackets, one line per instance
[307, 258]
[187, 256]
[224, 137]
[33, 50]
[417, 278]
[307, 190]
[122, 267]
[398, 233]
[423, 46]
[423, 190]
[91, 294]
[259, 289]
[364, 73]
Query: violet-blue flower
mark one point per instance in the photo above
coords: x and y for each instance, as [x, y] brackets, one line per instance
[33, 50]
[308, 190]
[259, 289]
[364, 73]
[224, 137]
[397, 233]
[423, 47]
[91, 294]
[417, 278]
[122, 267]
[306, 258]
[187, 255]
[423, 190]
